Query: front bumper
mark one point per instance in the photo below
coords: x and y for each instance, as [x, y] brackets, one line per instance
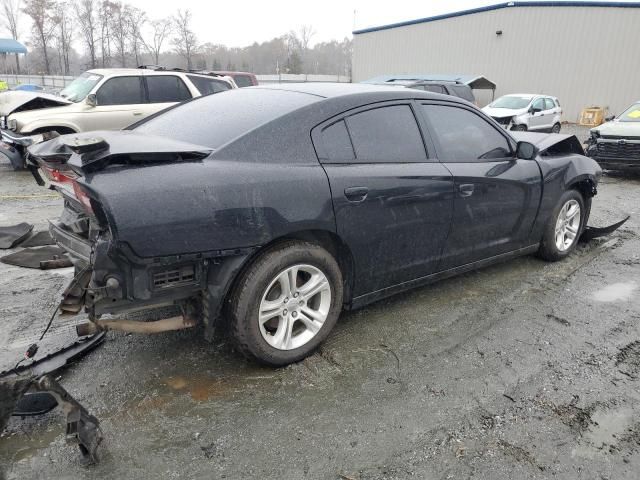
[629, 163]
[11, 149]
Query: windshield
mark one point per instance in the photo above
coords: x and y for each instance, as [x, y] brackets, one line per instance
[631, 114]
[80, 87]
[512, 102]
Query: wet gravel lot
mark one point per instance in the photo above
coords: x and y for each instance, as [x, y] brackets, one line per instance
[521, 370]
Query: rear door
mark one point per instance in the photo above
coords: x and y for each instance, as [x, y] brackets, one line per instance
[162, 92]
[496, 194]
[393, 204]
[120, 102]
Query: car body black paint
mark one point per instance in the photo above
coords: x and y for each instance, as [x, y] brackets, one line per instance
[407, 225]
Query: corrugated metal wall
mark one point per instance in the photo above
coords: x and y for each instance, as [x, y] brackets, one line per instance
[583, 55]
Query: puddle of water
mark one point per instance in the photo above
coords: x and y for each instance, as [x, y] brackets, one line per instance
[25, 445]
[615, 292]
[608, 427]
[203, 388]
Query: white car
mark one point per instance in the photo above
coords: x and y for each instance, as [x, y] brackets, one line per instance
[524, 111]
[101, 99]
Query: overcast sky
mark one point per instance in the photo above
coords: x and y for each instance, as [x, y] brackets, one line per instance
[240, 23]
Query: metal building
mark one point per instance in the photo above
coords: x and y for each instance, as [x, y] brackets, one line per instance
[584, 53]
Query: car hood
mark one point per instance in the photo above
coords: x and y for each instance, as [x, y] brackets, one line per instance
[503, 112]
[618, 129]
[19, 101]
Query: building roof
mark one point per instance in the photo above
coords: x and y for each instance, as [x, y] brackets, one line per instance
[9, 45]
[498, 7]
[474, 81]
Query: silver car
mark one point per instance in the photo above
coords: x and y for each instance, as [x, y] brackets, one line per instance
[525, 111]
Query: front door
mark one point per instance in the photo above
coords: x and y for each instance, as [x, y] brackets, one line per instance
[392, 203]
[120, 102]
[538, 119]
[496, 194]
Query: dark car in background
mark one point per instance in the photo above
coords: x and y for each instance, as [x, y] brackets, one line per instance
[456, 89]
[268, 210]
[242, 79]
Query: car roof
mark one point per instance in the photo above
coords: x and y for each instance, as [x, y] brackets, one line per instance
[332, 90]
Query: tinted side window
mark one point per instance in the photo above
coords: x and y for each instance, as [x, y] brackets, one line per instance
[464, 136]
[336, 142]
[243, 80]
[463, 91]
[386, 134]
[207, 86]
[166, 88]
[120, 91]
[549, 103]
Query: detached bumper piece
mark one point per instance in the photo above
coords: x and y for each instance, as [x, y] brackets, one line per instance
[590, 233]
[82, 428]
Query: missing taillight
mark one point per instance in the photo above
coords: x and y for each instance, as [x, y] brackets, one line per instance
[82, 197]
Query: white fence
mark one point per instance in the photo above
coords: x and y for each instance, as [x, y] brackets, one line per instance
[57, 82]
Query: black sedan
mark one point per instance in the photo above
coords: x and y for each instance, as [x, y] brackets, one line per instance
[267, 210]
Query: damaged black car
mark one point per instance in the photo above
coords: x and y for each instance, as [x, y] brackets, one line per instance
[268, 210]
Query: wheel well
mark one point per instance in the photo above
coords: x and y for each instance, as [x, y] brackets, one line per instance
[586, 187]
[327, 240]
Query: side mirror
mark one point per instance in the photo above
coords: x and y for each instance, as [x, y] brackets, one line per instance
[92, 100]
[609, 118]
[526, 151]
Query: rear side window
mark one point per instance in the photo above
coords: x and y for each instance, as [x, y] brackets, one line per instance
[243, 80]
[336, 143]
[207, 86]
[215, 120]
[120, 91]
[166, 88]
[463, 91]
[386, 134]
[464, 136]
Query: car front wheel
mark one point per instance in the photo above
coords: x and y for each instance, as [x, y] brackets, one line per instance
[286, 303]
[556, 128]
[520, 128]
[564, 227]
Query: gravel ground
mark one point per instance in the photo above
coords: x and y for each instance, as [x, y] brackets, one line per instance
[521, 370]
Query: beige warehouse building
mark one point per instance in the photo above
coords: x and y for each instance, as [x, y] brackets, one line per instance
[584, 53]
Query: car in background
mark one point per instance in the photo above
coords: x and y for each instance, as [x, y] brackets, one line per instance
[615, 145]
[456, 89]
[526, 112]
[267, 210]
[28, 87]
[242, 79]
[100, 99]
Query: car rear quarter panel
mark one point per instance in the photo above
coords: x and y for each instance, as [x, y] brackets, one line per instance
[211, 205]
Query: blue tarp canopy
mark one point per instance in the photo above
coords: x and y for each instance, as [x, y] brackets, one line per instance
[474, 81]
[9, 45]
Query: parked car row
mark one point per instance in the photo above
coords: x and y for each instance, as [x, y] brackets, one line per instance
[102, 99]
[269, 210]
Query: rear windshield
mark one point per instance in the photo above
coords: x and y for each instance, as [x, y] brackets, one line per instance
[463, 92]
[243, 80]
[214, 120]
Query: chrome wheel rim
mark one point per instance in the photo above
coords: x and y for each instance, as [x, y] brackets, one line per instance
[567, 225]
[294, 307]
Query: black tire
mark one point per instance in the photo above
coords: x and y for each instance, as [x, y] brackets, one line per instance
[520, 128]
[548, 249]
[244, 304]
[556, 128]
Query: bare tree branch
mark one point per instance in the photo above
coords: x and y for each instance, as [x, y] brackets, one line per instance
[185, 41]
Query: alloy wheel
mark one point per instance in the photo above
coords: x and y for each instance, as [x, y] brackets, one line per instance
[294, 307]
[567, 225]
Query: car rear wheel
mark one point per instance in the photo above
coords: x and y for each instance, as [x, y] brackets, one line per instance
[556, 128]
[286, 303]
[564, 227]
